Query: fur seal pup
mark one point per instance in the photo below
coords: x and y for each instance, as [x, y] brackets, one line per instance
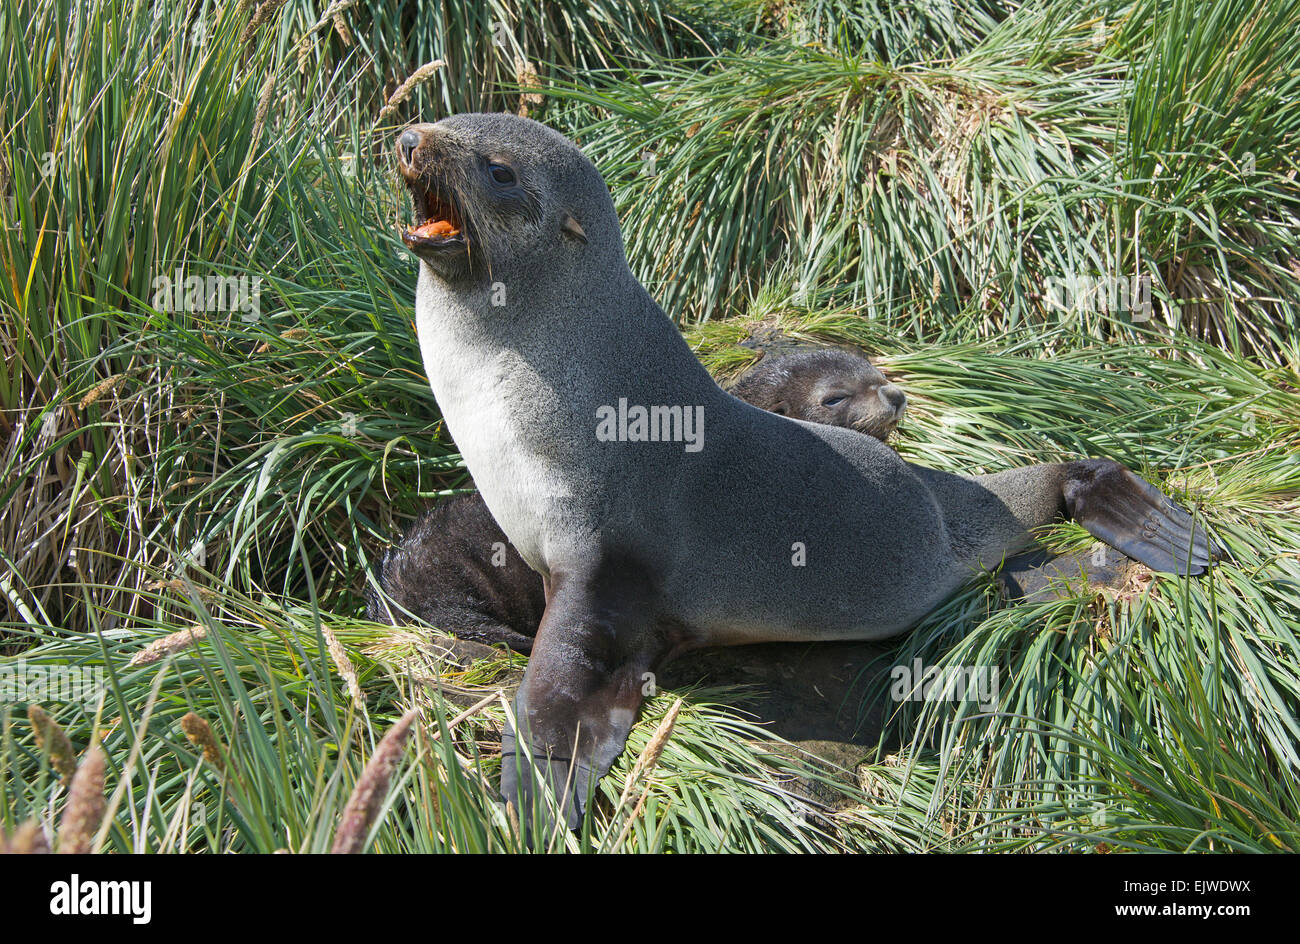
[455, 567]
[831, 386]
[549, 361]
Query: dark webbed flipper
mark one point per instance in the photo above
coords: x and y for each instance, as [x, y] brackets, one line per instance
[567, 764]
[1132, 515]
[521, 784]
[581, 691]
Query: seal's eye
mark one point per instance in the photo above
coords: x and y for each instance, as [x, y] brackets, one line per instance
[501, 174]
[834, 399]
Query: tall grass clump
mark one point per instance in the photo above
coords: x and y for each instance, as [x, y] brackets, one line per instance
[1111, 159]
[132, 139]
[195, 484]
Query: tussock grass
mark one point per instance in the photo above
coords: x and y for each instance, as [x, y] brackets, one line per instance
[193, 497]
[960, 188]
[292, 749]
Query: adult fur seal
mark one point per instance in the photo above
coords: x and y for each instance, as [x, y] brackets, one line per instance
[455, 568]
[752, 528]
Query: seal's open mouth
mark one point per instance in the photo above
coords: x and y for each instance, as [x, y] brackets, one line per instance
[438, 224]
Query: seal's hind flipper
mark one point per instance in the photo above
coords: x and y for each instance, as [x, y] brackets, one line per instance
[1132, 515]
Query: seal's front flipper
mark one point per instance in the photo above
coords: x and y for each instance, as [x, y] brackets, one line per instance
[541, 758]
[1133, 515]
[580, 694]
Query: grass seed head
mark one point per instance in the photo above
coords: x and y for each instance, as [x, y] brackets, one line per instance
[199, 733]
[52, 739]
[168, 645]
[85, 809]
[28, 839]
[371, 789]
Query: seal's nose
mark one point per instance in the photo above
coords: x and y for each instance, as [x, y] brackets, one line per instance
[407, 143]
[894, 397]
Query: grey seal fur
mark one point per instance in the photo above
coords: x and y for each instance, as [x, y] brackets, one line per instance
[456, 569]
[532, 326]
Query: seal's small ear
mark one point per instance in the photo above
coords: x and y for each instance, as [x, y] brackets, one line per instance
[573, 227]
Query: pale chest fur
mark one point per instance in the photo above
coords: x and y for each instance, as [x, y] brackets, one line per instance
[479, 393]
